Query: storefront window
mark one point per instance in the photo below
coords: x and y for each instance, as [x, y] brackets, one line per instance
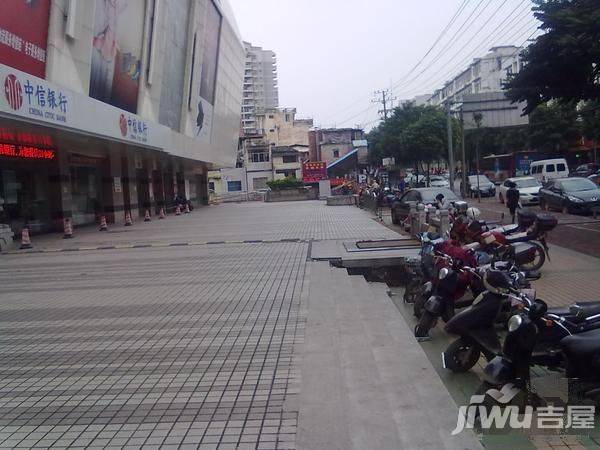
[85, 191]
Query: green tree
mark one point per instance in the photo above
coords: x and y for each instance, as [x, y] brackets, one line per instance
[564, 63]
[413, 135]
[554, 126]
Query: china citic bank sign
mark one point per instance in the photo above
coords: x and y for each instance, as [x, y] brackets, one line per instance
[26, 152]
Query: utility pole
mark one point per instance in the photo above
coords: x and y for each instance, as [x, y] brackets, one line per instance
[450, 150]
[384, 97]
[463, 189]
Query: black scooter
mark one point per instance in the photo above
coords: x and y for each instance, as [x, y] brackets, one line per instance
[566, 339]
[476, 325]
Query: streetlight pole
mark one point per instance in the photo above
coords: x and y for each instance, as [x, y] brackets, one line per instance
[450, 150]
[464, 156]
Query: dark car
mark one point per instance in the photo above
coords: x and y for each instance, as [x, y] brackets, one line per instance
[483, 185]
[570, 195]
[585, 170]
[401, 206]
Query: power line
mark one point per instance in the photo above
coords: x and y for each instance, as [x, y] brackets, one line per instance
[452, 40]
[440, 36]
[499, 30]
[385, 100]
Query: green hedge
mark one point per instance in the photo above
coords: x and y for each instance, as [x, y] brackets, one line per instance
[285, 183]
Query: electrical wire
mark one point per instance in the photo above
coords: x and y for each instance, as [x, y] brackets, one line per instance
[440, 36]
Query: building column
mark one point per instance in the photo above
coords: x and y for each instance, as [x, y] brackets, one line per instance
[61, 200]
[130, 194]
[114, 199]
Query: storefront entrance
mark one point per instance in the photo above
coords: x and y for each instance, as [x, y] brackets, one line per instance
[86, 188]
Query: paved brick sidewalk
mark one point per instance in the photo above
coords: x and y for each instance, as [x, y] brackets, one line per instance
[171, 347]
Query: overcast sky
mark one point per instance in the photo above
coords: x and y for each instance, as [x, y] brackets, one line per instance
[332, 54]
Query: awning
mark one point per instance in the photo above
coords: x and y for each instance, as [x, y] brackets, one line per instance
[343, 158]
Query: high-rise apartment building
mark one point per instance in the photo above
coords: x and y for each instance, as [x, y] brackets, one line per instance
[260, 86]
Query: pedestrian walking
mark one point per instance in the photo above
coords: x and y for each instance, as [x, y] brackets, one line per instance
[512, 200]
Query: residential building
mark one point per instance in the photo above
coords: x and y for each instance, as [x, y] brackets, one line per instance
[110, 109]
[331, 144]
[483, 75]
[260, 91]
[279, 129]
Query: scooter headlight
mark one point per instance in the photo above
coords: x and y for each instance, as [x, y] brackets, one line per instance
[514, 323]
[444, 272]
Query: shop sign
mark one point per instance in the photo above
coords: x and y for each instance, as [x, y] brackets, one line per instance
[26, 152]
[35, 99]
[117, 184]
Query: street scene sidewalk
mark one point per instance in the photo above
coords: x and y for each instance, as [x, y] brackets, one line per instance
[214, 345]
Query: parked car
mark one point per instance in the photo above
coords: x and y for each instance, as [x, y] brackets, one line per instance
[415, 180]
[485, 186]
[549, 169]
[529, 189]
[401, 207]
[595, 178]
[585, 170]
[570, 195]
[438, 181]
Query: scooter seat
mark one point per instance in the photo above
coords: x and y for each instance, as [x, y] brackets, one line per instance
[583, 343]
[519, 237]
[508, 229]
[577, 312]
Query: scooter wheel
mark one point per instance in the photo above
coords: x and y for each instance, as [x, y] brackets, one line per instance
[461, 356]
[426, 323]
[538, 261]
[419, 304]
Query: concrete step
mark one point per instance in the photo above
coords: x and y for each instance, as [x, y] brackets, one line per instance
[366, 383]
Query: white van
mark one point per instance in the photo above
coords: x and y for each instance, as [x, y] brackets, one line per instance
[549, 169]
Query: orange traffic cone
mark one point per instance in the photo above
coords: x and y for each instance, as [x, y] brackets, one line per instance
[177, 211]
[68, 229]
[25, 240]
[162, 214]
[128, 221]
[187, 208]
[103, 224]
[147, 217]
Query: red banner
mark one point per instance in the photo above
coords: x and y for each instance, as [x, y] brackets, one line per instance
[24, 35]
[313, 172]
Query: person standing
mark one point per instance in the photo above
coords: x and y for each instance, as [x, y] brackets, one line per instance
[512, 200]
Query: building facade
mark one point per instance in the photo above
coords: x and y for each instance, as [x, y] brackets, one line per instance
[484, 75]
[260, 91]
[277, 148]
[331, 144]
[112, 107]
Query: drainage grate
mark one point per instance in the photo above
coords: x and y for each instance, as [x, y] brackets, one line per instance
[391, 244]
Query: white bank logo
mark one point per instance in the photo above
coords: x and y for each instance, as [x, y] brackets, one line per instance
[499, 416]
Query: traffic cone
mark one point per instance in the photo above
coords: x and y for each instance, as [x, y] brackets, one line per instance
[162, 214]
[147, 217]
[68, 229]
[187, 208]
[25, 240]
[128, 221]
[177, 210]
[103, 224]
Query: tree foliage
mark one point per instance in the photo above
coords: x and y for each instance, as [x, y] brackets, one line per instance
[412, 135]
[564, 63]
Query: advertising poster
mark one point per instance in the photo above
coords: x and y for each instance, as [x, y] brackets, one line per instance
[171, 95]
[208, 74]
[24, 35]
[117, 52]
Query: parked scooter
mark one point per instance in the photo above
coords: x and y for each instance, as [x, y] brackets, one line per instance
[476, 326]
[566, 339]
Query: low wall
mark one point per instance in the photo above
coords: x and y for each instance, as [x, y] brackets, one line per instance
[292, 195]
[342, 200]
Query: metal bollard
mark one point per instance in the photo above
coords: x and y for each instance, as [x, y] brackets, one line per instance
[444, 222]
[421, 219]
